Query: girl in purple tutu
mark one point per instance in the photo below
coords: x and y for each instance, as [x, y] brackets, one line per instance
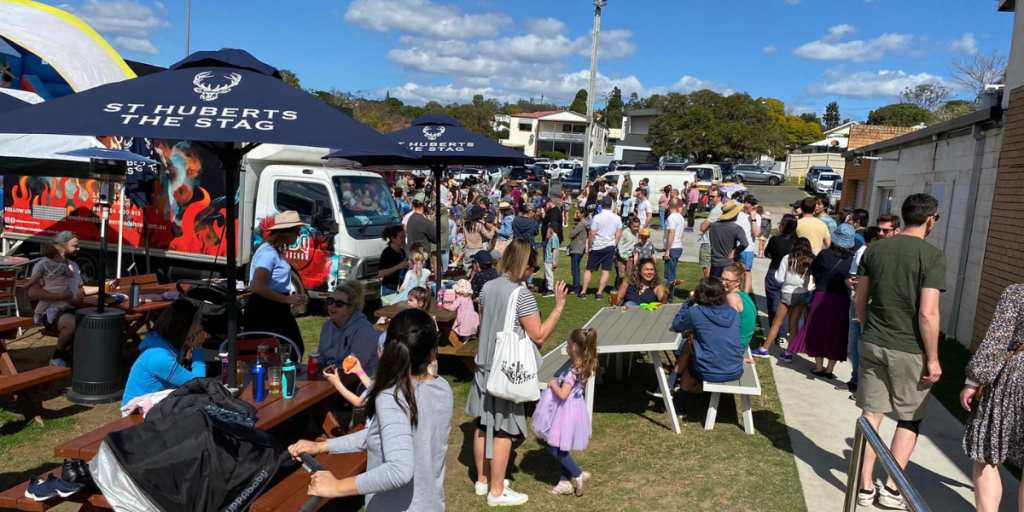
[561, 419]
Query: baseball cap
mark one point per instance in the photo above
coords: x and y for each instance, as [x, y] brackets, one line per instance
[495, 254]
[483, 258]
[796, 204]
[751, 200]
[606, 201]
[420, 198]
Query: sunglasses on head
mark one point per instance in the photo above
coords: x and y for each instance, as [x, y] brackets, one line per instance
[331, 301]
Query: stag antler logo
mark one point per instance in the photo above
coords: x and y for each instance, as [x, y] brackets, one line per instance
[207, 93]
[433, 132]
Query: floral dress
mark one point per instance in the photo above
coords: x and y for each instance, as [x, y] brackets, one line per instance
[995, 432]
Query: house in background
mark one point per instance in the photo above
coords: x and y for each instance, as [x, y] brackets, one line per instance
[559, 130]
[632, 147]
[828, 152]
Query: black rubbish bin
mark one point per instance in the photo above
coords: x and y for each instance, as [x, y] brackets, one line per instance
[96, 372]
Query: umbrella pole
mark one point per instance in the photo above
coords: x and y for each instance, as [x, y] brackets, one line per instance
[438, 272]
[105, 189]
[232, 161]
[145, 235]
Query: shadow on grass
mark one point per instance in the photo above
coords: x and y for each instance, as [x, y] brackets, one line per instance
[14, 427]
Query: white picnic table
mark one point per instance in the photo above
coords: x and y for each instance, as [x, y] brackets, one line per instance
[621, 331]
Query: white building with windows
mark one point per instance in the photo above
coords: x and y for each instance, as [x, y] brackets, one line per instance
[559, 130]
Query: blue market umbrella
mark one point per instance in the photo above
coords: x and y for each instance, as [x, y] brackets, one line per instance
[8, 103]
[440, 141]
[216, 99]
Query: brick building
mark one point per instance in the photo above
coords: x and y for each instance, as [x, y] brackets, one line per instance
[855, 177]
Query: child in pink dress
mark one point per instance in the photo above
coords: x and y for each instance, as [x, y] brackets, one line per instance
[561, 419]
[467, 321]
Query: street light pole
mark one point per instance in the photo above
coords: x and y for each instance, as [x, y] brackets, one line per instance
[188, 23]
[598, 4]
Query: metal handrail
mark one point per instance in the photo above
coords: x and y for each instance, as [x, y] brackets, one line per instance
[864, 434]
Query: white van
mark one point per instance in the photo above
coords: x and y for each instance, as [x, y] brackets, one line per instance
[706, 174]
[657, 181]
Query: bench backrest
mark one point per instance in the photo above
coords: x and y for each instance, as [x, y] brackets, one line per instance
[140, 279]
[8, 279]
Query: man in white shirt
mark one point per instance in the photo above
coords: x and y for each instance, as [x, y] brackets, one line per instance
[605, 230]
[673, 243]
[644, 212]
[750, 221]
[715, 198]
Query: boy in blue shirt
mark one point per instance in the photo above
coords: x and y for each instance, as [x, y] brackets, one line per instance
[550, 262]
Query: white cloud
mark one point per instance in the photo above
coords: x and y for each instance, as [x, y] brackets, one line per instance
[419, 94]
[688, 84]
[545, 26]
[614, 44]
[965, 44]
[769, 49]
[866, 84]
[132, 44]
[127, 22]
[838, 32]
[423, 17]
[415, 59]
[829, 47]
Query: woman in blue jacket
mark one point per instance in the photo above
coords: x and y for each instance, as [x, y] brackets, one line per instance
[716, 353]
[161, 362]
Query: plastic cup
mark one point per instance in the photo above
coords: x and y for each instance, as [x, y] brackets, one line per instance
[274, 377]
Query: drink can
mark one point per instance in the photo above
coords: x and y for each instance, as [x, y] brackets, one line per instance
[224, 367]
[313, 366]
[262, 353]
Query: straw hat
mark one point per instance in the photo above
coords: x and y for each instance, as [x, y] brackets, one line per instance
[368, 203]
[287, 220]
[729, 211]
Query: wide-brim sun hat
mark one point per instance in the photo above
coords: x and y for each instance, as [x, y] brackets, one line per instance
[463, 287]
[729, 211]
[287, 220]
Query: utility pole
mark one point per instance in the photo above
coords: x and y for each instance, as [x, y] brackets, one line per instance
[188, 23]
[598, 4]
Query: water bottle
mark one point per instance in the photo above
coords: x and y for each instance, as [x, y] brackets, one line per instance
[259, 382]
[134, 295]
[288, 374]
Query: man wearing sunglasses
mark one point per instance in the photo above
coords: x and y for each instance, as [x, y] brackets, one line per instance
[888, 225]
[347, 331]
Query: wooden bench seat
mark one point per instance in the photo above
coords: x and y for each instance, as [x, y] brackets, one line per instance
[10, 384]
[748, 385]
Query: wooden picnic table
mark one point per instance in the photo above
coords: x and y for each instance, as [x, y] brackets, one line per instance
[23, 384]
[271, 412]
[446, 324]
[621, 331]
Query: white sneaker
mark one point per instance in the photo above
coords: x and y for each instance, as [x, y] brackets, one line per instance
[58, 362]
[581, 482]
[508, 498]
[482, 488]
[866, 498]
[51, 314]
[890, 500]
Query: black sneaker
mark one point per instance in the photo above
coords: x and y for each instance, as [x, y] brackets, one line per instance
[599, 296]
[547, 295]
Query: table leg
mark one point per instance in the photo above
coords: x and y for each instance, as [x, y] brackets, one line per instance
[748, 415]
[666, 393]
[590, 399]
[330, 424]
[709, 422]
[618, 367]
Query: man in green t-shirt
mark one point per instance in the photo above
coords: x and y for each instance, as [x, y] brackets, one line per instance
[898, 285]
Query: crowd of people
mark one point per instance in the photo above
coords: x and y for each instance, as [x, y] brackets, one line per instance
[834, 291]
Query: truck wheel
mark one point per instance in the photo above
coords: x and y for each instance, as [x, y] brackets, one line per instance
[773, 181]
[299, 310]
[88, 264]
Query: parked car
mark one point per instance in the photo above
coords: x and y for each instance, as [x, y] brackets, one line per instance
[460, 174]
[706, 174]
[531, 175]
[835, 194]
[749, 173]
[657, 179]
[603, 169]
[674, 166]
[623, 168]
[647, 167]
[575, 180]
[824, 182]
[812, 176]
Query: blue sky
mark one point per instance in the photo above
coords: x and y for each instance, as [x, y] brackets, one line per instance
[804, 52]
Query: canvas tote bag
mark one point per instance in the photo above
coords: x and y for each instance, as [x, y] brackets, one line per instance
[514, 369]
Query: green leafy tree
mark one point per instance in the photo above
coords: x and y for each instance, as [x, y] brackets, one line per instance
[554, 155]
[899, 114]
[614, 109]
[954, 109]
[812, 117]
[708, 126]
[831, 117]
[800, 132]
[579, 104]
[290, 78]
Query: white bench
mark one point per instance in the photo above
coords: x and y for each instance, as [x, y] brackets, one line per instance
[748, 385]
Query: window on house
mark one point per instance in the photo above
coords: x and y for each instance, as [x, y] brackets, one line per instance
[566, 128]
[525, 127]
[579, 128]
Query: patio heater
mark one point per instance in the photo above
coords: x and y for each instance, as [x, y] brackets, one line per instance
[99, 331]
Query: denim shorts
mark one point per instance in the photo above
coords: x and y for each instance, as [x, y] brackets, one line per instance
[747, 258]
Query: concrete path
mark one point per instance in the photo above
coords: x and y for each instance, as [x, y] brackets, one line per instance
[821, 422]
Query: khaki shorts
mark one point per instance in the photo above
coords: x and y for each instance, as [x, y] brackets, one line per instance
[891, 380]
[705, 255]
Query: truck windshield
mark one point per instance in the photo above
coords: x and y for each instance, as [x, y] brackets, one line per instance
[366, 205]
[704, 173]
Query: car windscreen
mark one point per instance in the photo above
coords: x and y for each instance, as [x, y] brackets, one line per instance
[828, 177]
[704, 173]
[367, 205]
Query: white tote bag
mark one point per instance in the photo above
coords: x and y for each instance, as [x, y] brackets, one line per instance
[514, 369]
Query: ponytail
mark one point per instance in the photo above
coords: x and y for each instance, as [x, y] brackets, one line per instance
[410, 347]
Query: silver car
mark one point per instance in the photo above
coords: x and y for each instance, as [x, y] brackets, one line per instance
[747, 173]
